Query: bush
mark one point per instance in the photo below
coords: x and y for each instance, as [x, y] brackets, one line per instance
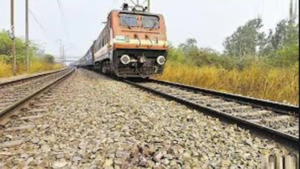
[273, 76]
[277, 84]
[285, 57]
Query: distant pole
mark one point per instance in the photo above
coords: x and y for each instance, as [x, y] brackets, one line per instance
[63, 55]
[27, 37]
[60, 49]
[148, 6]
[291, 10]
[12, 5]
[296, 10]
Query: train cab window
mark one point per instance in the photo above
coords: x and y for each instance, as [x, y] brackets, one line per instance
[150, 22]
[128, 20]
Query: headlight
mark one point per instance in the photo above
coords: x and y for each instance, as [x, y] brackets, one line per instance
[125, 59]
[161, 60]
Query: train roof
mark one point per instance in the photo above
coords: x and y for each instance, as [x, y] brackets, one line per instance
[132, 12]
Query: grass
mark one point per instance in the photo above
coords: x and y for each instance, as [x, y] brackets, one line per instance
[277, 84]
[36, 67]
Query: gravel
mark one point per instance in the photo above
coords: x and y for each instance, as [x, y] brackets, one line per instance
[234, 108]
[96, 122]
[13, 93]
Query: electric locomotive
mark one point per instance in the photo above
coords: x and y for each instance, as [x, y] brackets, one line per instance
[133, 43]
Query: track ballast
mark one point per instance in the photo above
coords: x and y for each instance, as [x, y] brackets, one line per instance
[274, 119]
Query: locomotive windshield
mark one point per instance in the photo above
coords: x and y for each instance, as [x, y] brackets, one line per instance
[129, 20]
[150, 22]
[147, 22]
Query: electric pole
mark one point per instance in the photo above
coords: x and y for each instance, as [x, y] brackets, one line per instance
[291, 10]
[12, 5]
[60, 48]
[148, 6]
[27, 36]
[63, 55]
[296, 10]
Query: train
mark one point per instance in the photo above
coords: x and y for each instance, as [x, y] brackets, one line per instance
[133, 43]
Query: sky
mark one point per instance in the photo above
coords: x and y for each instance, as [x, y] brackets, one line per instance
[80, 21]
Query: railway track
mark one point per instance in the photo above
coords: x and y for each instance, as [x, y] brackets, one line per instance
[271, 118]
[19, 81]
[18, 93]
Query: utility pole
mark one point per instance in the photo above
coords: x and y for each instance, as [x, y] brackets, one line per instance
[12, 5]
[148, 6]
[27, 36]
[296, 10]
[60, 48]
[291, 10]
[63, 55]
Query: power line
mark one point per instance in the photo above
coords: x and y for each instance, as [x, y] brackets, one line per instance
[37, 21]
[40, 24]
[60, 6]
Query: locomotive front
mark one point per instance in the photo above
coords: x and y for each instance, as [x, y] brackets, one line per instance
[140, 44]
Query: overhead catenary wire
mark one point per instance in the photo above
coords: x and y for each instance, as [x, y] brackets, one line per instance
[39, 24]
[64, 25]
[37, 21]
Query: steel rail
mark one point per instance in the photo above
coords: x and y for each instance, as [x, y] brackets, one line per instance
[25, 99]
[287, 139]
[30, 77]
[266, 104]
[261, 130]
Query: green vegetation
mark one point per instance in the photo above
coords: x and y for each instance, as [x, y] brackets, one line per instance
[253, 63]
[39, 61]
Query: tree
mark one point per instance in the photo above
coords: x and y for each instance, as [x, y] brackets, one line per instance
[49, 58]
[5, 43]
[286, 34]
[189, 46]
[246, 39]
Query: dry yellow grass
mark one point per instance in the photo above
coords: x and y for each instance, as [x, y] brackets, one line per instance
[36, 67]
[5, 70]
[275, 84]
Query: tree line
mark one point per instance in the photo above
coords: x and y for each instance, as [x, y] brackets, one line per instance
[247, 45]
[36, 53]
